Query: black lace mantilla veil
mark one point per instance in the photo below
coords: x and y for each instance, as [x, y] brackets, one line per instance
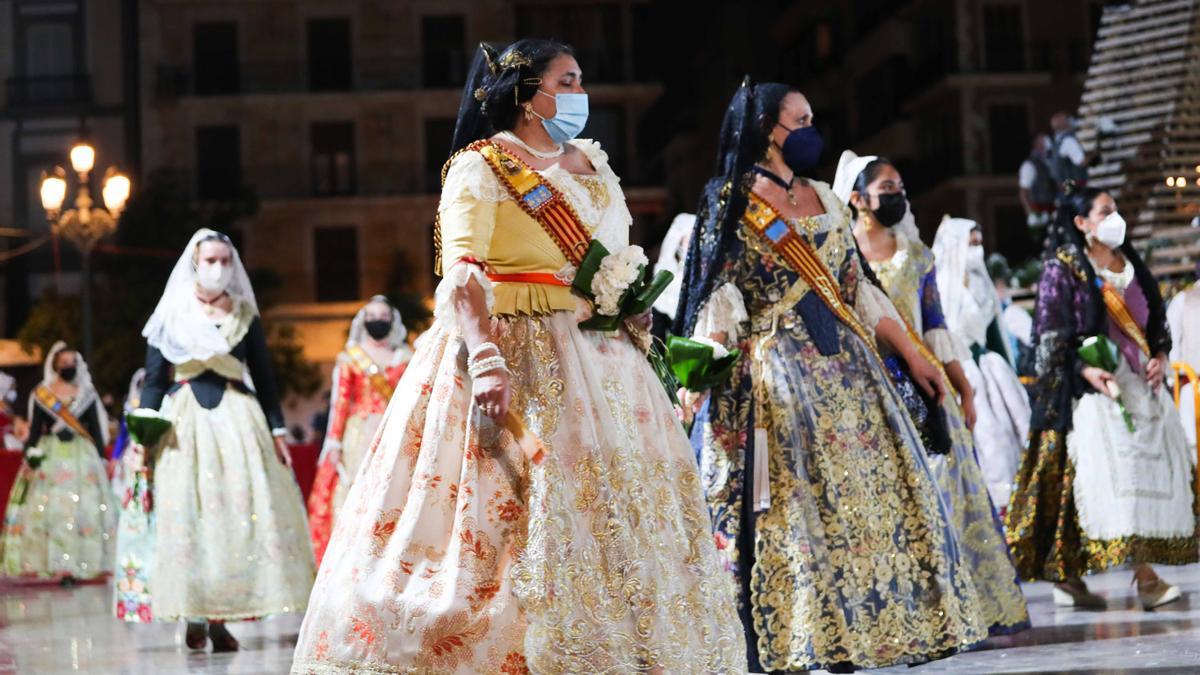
[725, 197]
[721, 207]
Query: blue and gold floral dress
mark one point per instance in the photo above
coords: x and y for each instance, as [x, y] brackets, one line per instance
[848, 557]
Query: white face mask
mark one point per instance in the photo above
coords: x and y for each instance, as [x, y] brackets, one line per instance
[975, 255]
[214, 277]
[1111, 230]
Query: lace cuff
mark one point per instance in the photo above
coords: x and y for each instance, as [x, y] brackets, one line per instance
[945, 346]
[872, 304]
[723, 312]
[456, 277]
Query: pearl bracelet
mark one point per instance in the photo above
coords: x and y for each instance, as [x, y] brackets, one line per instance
[484, 366]
[481, 348]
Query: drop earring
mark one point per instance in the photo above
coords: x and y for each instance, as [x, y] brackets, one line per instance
[528, 111]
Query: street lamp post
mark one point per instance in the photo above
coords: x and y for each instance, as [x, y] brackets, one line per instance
[86, 223]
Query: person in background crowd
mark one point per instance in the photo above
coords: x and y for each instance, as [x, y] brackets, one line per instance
[60, 518]
[1107, 478]
[232, 540]
[1067, 159]
[1037, 187]
[1183, 316]
[670, 258]
[972, 308]
[364, 377]
[8, 398]
[887, 235]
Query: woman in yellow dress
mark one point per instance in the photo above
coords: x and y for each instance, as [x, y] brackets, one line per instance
[454, 552]
[364, 378]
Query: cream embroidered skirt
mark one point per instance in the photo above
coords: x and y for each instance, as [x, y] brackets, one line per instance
[232, 540]
[452, 554]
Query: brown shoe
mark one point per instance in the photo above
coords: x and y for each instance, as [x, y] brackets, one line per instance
[221, 639]
[1156, 594]
[196, 638]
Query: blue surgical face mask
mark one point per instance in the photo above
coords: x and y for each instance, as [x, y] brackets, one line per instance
[570, 118]
[802, 148]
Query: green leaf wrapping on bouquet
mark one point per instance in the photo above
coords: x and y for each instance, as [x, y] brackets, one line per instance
[588, 267]
[601, 322]
[146, 429]
[1100, 352]
[694, 365]
[663, 371]
[644, 294]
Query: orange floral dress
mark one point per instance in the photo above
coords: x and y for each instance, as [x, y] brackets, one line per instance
[359, 400]
[454, 554]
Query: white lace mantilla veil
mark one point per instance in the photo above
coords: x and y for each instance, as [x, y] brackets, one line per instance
[83, 382]
[396, 339]
[950, 246]
[179, 328]
[671, 258]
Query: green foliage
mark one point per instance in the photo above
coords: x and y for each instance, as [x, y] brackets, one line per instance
[54, 318]
[293, 375]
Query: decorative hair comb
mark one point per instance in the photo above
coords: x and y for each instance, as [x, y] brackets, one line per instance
[514, 59]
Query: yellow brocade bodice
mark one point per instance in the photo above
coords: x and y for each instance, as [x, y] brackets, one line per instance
[480, 222]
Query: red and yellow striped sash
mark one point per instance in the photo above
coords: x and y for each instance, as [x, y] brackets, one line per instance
[798, 254]
[538, 198]
[61, 411]
[1119, 313]
[364, 362]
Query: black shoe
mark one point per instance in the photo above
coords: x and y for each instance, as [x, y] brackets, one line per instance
[221, 639]
[196, 636]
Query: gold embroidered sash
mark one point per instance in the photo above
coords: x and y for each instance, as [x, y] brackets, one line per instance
[536, 197]
[1119, 313]
[795, 251]
[364, 362]
[62, 412]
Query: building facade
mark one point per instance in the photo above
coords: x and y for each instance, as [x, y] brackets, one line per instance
[951, 90]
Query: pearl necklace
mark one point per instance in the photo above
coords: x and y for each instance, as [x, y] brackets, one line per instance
[516, 140]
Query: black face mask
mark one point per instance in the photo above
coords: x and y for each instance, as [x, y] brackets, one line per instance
[68, 374]
[378, 328]
[891, 209]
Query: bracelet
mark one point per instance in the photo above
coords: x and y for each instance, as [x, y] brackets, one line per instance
[479, 349]
[487, 365]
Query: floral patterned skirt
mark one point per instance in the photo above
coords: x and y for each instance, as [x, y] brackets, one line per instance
[453, 554]
[980, 537]
[333, 479]
[61, 518]
[232, 541]
[853, 561]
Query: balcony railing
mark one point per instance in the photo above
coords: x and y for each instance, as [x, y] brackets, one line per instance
[298, 181]
[49, 90]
